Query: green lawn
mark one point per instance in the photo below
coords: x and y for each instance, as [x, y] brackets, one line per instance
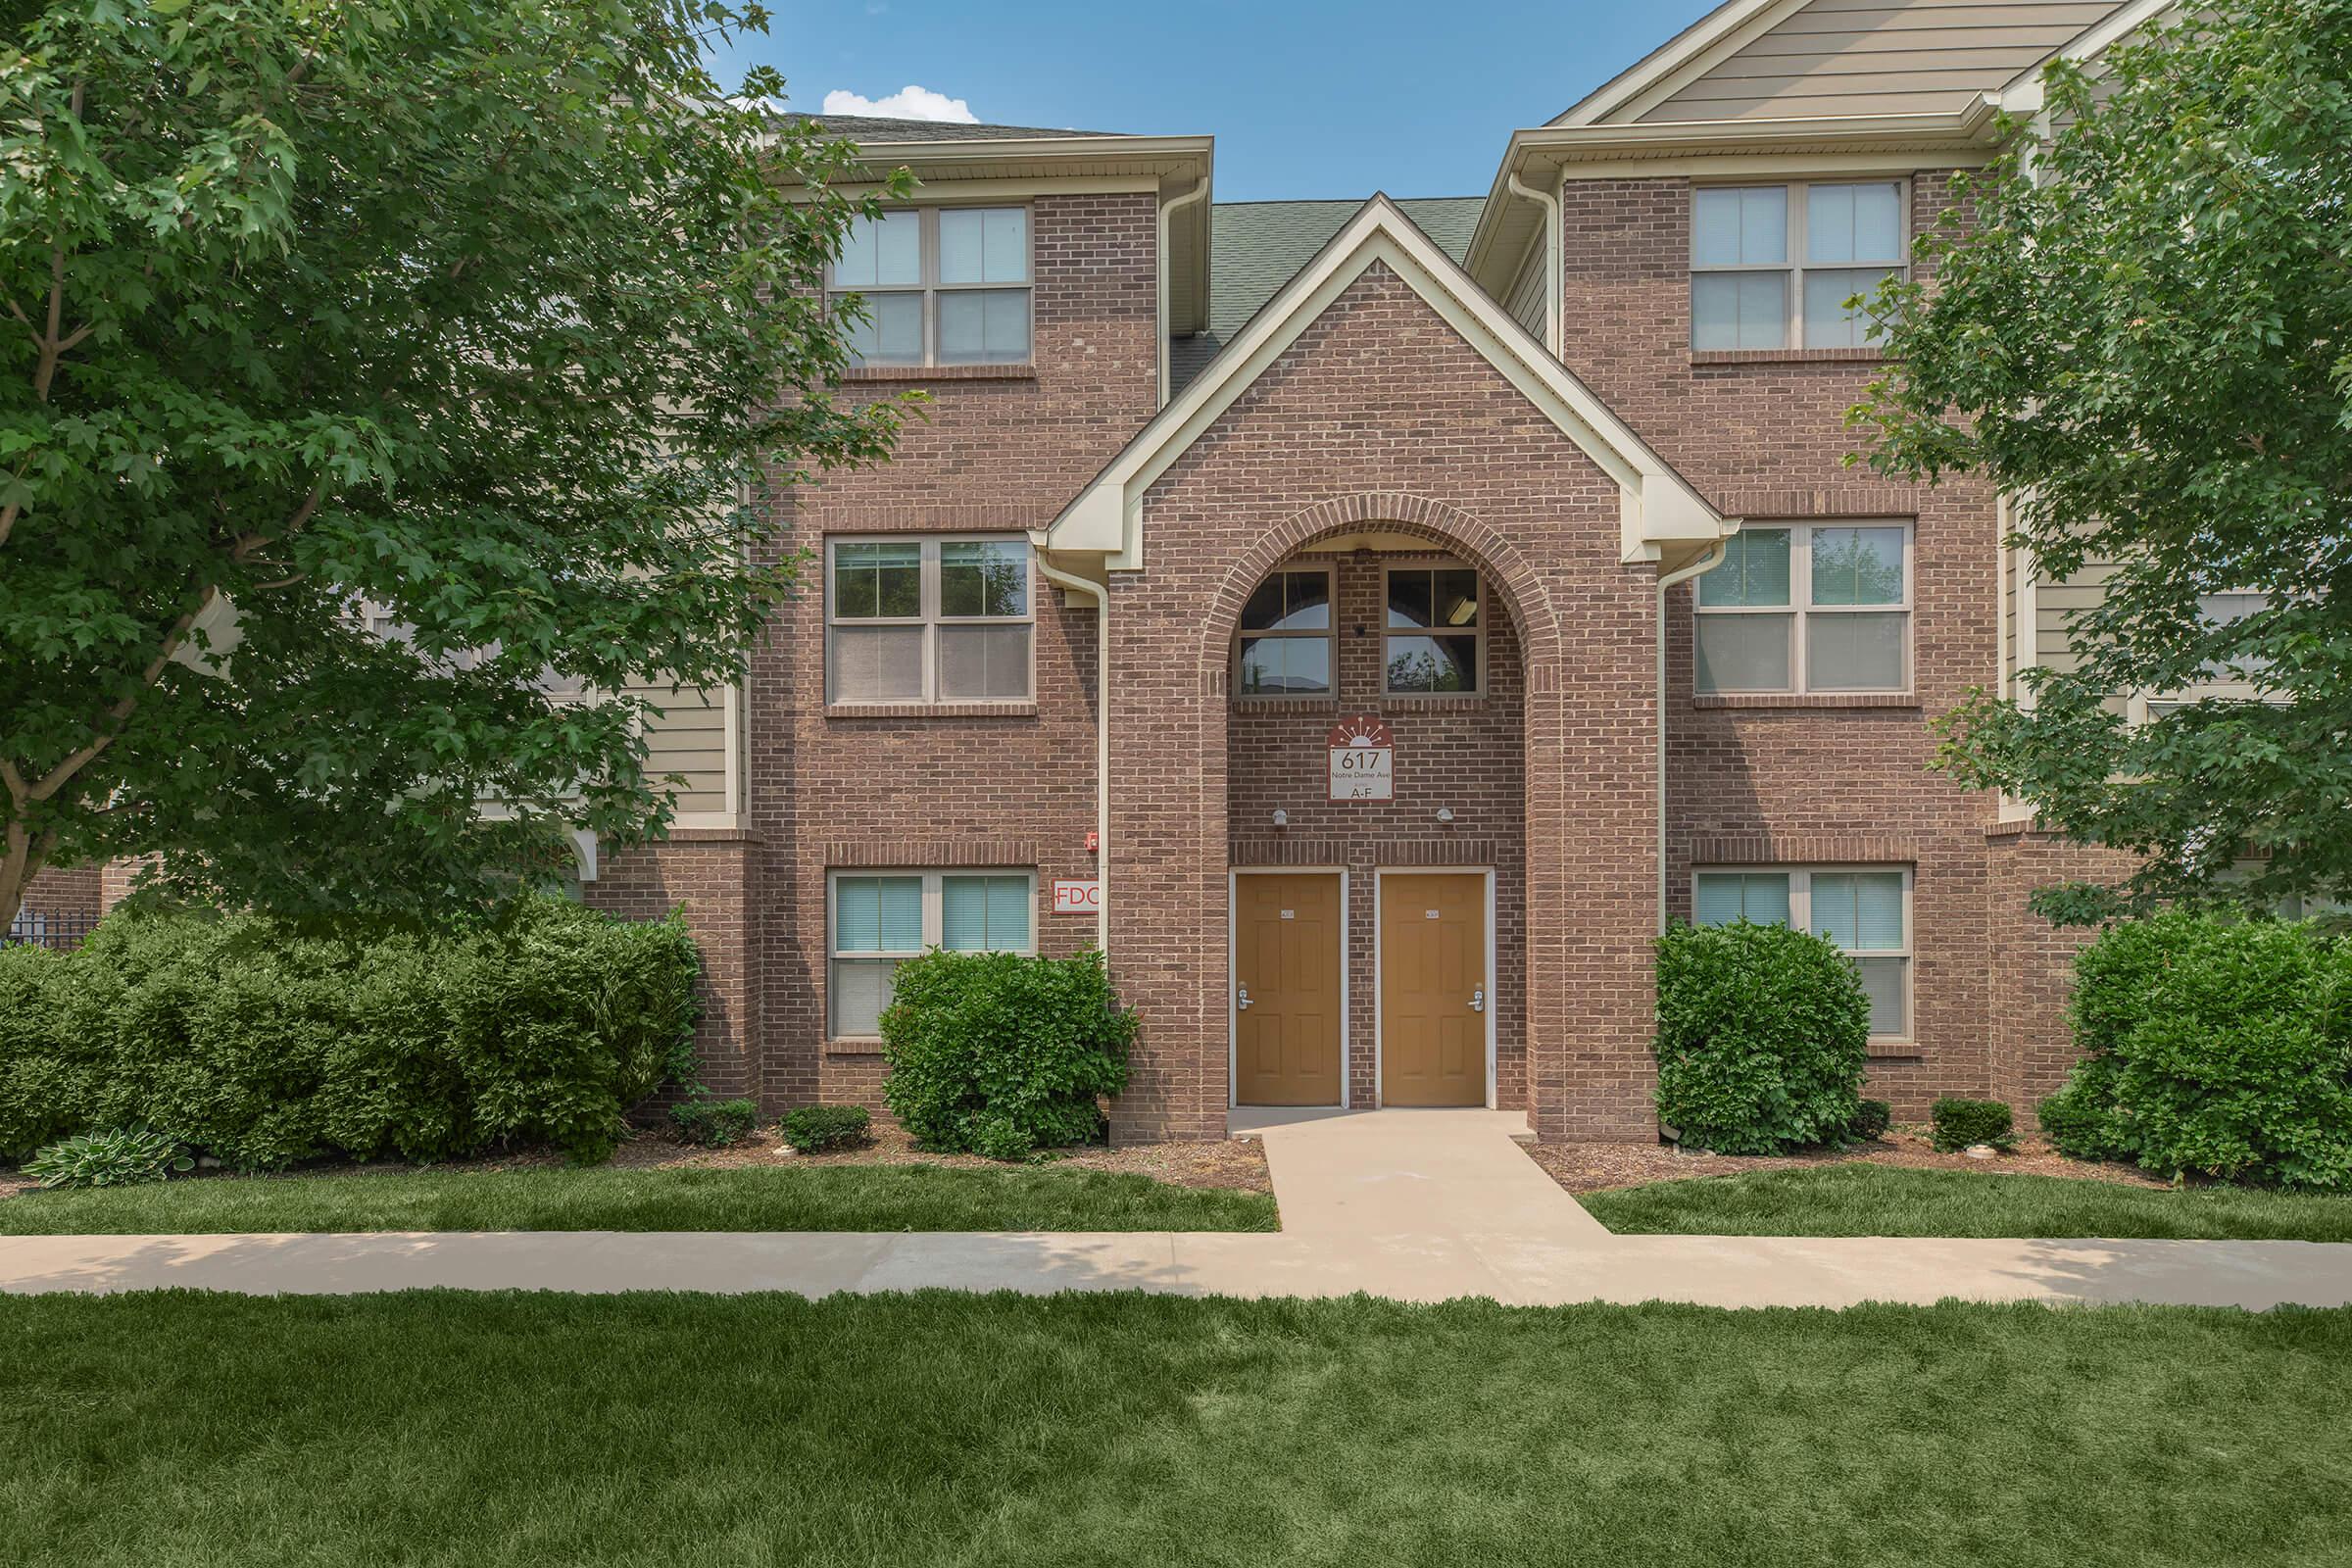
[814, 1197]
[186, 1430]
[1892, 1201]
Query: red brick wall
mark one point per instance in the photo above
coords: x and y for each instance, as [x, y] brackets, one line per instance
[1380, 417]
[714, 877]
[1804, 779]
[72, 892]
[2032, 972]
[1464, 753]
[920, 788]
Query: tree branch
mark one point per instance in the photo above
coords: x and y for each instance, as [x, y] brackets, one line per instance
[111, 723]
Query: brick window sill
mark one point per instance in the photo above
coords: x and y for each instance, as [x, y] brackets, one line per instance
[1788, 356]
[1374, 704]
[1432, 704]
[852, 1048]
[895, 711]
[1806, 700]
[1286, 704]
[1876, 1050]
[939, 373]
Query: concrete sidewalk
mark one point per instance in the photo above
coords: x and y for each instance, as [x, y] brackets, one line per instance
[1416, 1205]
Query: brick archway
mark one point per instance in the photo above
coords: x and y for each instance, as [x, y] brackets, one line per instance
[1448, 527]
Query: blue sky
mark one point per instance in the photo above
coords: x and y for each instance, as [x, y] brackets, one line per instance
[1314, 99]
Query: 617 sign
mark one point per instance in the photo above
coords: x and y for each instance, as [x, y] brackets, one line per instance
[1363, 760]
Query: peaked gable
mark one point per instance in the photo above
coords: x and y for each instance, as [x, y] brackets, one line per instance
[1814, 59]
[1657, 506]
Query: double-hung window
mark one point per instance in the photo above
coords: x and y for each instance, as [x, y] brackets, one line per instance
[1808, 608]
[1284, 646]
[1434, 630]
[881, 919]
[1864, 911]
[928, 621]
[939, 285]
[1773, 266]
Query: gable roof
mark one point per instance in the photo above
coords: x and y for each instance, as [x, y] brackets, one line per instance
[864, 128]
[1657, 507]
[1803, 59]
[1257, 247]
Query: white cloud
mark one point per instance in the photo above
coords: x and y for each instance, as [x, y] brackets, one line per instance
[908, 103]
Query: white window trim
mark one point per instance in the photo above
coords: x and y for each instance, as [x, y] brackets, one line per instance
[1800, 606]
[1329, 635]
[930, 619]
[930, 287]
[1795, 268]
[934, 919]
[1478, 631]
[1800, 917]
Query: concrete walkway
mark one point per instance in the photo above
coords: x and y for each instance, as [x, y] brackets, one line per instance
[1417, 1205]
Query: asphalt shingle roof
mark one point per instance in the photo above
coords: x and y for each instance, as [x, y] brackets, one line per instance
[867, 128]
[1257, 247]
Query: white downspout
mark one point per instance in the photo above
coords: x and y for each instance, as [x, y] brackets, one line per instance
[1101, 594]
[1555, 265]
[1167, 209]
[1704, 564]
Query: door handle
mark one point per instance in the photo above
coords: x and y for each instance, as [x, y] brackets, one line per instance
[1241, 1000]
[1478, 1000]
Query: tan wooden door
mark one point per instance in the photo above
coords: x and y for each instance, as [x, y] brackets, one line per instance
[1286, 961]
[1434, 989]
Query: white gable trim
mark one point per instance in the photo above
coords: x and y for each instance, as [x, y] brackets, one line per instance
[1657, 508]
[2023, 94]
[1681, 60]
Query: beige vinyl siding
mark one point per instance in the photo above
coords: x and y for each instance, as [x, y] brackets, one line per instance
[2054, 601]
[1525, 302]
[689, 738]
[1873, 57]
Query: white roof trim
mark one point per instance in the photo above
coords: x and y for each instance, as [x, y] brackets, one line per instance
[2022, 95]
[1657, 506]
[1689, 54]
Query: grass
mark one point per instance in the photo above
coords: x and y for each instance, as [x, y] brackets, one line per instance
[816, 1197]
[178, 1430]
[1893, 1201]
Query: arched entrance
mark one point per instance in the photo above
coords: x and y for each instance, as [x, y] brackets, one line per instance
[1375, 667]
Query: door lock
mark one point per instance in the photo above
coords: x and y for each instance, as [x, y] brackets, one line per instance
[1478, 1000]
[1240, 1001]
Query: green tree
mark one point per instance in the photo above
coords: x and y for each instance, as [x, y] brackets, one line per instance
[2144, 335]
[497, 318]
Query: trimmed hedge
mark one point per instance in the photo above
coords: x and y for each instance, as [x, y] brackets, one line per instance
[2213, 1046]
[1762, 1032]
[815, 1129]
[1964, 1123]
[998, 1055]
[264, 1049]
[714, 1123]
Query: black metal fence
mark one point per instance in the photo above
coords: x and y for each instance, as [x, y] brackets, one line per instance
[36, 928]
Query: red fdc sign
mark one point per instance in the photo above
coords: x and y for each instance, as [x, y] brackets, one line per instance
[1077, 896]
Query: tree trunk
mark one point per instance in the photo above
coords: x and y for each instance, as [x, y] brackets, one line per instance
[22, 862]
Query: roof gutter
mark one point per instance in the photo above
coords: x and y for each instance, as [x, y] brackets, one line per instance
[1167, 211]
[1707, 562]
[1553, 265]
[1101, 594]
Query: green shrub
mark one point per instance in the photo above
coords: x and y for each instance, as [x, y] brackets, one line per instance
[1872, 1118]
[1965, 1123]
[120, 1156]
[265, 1049]
[714, 1123]
[2213, 1046]
[1761, 1037]
[997, 1054]
[815, 1129]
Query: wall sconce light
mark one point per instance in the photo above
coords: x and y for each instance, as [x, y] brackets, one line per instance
[1282, 819]
[1444, 814]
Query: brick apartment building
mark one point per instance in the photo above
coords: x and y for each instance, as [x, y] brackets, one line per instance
[1369, 622]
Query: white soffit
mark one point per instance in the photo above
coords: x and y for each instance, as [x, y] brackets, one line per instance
[1657, 508]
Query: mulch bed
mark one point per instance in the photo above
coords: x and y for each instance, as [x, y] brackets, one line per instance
[1593, 1167]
